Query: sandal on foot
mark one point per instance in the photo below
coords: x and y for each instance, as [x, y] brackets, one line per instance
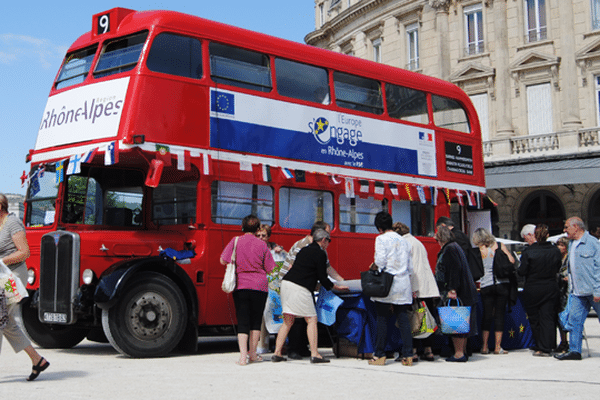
[427, 357]
[501, 351]
[377, 361]
[256, 359]
[37, 369]
[407, 361]
[486, 351]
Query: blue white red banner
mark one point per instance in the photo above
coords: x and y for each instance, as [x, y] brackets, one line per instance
[253, 124]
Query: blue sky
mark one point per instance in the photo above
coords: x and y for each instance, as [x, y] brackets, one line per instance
[34, 37]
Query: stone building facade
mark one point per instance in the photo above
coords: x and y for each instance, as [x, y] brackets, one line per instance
[532, 70]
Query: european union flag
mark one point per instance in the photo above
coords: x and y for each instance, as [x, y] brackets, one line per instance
[222, 102]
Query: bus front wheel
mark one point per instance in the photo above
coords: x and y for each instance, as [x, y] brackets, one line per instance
[149, 318]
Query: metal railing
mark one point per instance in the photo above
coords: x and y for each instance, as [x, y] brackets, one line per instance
[582, 140]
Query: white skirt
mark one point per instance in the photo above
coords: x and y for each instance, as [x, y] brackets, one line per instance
[297, 300]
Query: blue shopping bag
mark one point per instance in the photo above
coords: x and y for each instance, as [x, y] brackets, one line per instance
[455, 320]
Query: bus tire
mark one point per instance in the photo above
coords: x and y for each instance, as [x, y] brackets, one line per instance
[49, 336]
[149, 318]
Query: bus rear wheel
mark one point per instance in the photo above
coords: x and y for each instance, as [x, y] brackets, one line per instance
[49, 336]
[149, 318]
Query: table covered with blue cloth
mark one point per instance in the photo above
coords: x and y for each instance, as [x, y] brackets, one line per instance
[356, 322]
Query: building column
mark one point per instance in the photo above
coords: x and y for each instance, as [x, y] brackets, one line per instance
[441, 25]
[569, 104]
[503, 81]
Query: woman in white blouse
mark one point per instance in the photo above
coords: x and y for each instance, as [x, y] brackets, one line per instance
[392, 252]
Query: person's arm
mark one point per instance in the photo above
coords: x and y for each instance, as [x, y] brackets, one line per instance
[596, 275]
[22, 253]
[227, 253]
[380, 254]
[321, 260]
[269, 262]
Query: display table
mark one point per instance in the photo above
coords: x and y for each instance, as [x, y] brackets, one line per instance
[356, 322]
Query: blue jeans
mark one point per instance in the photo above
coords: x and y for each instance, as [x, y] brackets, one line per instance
[384, 312]
[579, 307]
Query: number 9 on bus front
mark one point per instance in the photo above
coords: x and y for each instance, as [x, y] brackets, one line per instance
[103, 24]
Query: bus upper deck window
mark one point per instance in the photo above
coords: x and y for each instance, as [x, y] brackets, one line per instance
[120, 55]
[301, 81]
[239, 67]
[449, 114]
[406, 104]
[358, 93]
[76, 67]
[176, 55]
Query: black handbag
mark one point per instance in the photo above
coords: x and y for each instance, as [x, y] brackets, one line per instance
[375, 283]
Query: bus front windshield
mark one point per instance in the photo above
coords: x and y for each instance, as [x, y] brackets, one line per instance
[102, 196]
[41, 198]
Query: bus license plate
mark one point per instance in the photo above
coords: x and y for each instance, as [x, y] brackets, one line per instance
[55, 317]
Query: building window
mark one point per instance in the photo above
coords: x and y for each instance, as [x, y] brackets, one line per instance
[377, 50]
[595, 14]
[598, 99]
[535, 20]
[321, 14]
[480, 102]
[474, 29]
[539, 109]
[412, 34]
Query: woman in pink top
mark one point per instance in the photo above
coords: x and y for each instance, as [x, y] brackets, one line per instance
[254, 261]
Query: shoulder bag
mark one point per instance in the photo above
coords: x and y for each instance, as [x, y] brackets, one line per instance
[376, 283]
[230, 280]
[422, 322]
[503, 268]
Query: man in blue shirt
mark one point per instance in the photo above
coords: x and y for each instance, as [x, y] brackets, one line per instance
[584, 273]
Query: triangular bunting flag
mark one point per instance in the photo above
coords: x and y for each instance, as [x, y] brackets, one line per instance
[363, 188]
[349, 188]
[287, 173]
[246, 171]
[74, 166]
[394, 190]
[207, 167]
[460, 198]
[111, 153]
[266, 173]
[300, 175]
[379, 190]
[60, 170]
[88, 156]
[163, 153]
[421, 193]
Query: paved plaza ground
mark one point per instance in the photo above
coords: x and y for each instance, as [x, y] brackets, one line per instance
[96, 371]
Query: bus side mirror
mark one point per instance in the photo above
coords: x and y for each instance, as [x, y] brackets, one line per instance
[154, 173]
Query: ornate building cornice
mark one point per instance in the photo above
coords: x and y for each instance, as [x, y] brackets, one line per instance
[335, 25]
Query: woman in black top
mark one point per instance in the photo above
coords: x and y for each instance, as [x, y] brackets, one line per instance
[454, 280]
[540, 264]
[297, 287]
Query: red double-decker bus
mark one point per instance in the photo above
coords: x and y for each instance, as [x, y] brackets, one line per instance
[163, 130]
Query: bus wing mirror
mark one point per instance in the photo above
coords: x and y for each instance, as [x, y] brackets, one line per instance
[154, 173]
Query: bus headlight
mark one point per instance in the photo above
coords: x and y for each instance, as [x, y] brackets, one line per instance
[88, 276]
[31, 276]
